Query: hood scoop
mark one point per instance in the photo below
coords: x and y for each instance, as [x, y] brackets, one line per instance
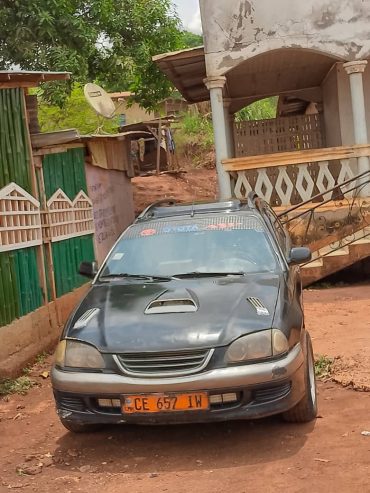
[84, 320]
[259, 307]
[177, 301]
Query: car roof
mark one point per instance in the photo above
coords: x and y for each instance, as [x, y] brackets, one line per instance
[168, 208]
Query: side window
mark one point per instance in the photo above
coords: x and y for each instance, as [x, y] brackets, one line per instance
[280, 232]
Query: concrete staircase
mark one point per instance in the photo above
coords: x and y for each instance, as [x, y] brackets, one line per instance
[337, 256]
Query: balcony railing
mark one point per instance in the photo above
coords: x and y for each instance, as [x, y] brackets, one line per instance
[289, 178]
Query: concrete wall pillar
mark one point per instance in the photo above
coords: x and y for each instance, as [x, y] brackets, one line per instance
[215, 86]
[355, 70]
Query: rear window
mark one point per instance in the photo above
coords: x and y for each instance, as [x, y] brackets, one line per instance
[223, 244]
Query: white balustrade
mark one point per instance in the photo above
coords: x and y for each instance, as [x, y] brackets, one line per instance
[285, 179]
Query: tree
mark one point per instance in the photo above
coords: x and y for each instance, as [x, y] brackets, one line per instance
[75, 113]
[108, 41]
[260, 110]
[191, 40]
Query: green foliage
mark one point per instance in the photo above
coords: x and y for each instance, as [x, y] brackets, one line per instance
[194, 138]
[323, 366]
[199, 127]
[191, 40]
[108, 41]
[260, 110]
[20, 385]
[76, 113]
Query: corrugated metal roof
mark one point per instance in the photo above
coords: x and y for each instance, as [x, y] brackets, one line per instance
[27, 78]
[186, 69]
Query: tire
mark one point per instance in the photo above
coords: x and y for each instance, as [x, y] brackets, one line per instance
[79, 428]
[306, 409]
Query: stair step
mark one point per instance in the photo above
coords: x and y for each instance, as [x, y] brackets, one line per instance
[361, 241]
[331, 252]
[339, 252]
[314, 263]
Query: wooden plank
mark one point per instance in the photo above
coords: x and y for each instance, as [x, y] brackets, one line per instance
[48, 250]
[57, 138]
[35, 191]
[22, 85]
[57, 149]
[295, 157]
[159, 140]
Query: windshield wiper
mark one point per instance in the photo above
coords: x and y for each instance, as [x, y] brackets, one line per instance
[207, 274]
[144, 277]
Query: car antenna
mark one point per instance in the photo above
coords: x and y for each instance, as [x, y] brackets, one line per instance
[192, 210]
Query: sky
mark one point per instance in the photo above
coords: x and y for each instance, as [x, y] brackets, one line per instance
[188, 11]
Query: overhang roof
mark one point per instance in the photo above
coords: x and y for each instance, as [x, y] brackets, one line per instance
[278, 72]
[23, 78]
[186, 69]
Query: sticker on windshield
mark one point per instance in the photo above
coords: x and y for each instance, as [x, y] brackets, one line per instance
[198, 225]
[118, 256]
[222, 226]
[186, 228]
[148, 232]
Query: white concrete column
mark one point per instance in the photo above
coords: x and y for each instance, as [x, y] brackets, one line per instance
[229, 120]
[355, 70]
[215, 86]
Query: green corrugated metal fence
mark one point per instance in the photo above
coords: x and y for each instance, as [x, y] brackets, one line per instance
[67, 171]
[20, 291]
[67, 256]
[28, 284]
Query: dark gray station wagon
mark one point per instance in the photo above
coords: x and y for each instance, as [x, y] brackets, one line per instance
[195, 316]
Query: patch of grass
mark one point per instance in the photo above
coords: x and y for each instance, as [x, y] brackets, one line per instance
[19, 385]
[40, 358]
[27, 370]
[323, 366]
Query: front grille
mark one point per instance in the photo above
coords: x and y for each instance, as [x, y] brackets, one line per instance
[262, 396]
[165, 364]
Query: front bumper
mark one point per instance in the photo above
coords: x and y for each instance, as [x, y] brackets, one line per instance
[263, 389]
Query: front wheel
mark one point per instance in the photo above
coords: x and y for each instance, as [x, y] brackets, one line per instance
[79, 428]
[306, 409]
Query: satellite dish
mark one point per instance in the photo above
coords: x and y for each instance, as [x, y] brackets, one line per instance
[99, 100]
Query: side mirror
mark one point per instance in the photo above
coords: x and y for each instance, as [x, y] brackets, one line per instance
[299, 255]
[88, 269]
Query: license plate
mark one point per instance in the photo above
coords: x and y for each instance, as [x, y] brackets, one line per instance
[164, 403]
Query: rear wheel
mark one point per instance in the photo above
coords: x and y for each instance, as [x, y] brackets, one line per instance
[78, 427]
[306, 409]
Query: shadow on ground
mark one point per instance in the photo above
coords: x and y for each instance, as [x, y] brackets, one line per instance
[140, 449]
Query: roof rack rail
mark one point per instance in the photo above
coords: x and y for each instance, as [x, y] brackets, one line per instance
[251, 199]
[145, 214]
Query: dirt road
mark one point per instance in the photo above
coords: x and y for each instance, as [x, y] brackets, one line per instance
[329, 455]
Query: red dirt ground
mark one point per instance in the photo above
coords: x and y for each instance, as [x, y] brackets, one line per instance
[329, 455]
[195, 185]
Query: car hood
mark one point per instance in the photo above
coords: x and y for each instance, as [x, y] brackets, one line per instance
[127, 316]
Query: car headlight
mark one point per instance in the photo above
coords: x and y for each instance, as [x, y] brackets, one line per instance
[259, 345]
[75, 354]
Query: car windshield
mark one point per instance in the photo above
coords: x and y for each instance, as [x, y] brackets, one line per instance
[226, 244]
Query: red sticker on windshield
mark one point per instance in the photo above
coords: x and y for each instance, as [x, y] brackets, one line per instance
[148, 232]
